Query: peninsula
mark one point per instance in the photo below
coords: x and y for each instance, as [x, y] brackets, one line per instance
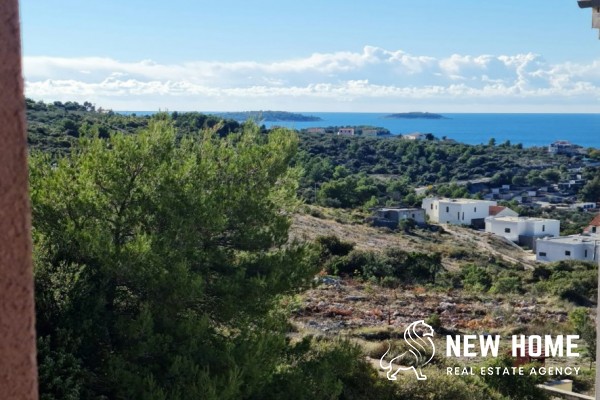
[270, 116]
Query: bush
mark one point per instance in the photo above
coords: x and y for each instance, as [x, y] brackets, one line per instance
[331, 245]
[506, 284]
[435, 321]
[476, 278]
[327, 370]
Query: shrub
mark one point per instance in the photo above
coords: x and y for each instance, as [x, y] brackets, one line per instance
[331, 245]
[435, 321]
[507, 284]
[476, 278]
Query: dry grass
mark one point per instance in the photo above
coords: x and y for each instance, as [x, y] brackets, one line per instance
[457, 245]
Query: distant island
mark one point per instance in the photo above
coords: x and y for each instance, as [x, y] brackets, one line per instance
[416, 115]
[270, 116]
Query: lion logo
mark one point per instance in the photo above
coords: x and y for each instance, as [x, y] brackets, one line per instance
[417, 355]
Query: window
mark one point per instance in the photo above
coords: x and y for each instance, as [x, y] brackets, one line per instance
[542, 254]
[447, 209]
[413, 216]
[506, 230]
[543, 228]
[463, 216]
[593, 229]
[432, 206]
[475, 209]
[585, 253]
[567, 253]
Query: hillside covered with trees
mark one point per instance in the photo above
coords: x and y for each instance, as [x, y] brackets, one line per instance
[166, 268]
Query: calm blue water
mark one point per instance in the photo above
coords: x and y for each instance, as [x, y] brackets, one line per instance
[528, 129]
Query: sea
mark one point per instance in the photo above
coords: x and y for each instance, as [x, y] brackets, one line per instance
[528, 129]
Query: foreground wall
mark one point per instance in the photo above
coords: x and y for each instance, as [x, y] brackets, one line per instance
[18, 379]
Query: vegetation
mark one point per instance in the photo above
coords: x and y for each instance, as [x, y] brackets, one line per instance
[343, 172]
[164, 266]
[348, 171]
[160, 264]
[272, 116]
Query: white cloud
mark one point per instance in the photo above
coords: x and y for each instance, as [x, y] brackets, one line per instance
[371, 80]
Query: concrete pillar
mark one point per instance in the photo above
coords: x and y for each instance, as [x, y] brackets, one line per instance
[18, 376]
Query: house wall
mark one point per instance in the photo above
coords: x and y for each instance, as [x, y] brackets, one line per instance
[458, 213]
[549, 250]
[18, 370]
[511, 230]
[522, 230]
[430, 205]
[546, 227]
[417, 214]
[393, 217]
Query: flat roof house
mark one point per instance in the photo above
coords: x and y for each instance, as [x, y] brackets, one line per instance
[391, 217]
[563, 147]
[457, 211]
[346, 132]
[415, 136]
[574, 247]
[522, 230]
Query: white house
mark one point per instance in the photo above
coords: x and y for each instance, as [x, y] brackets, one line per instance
[563, 147]
[522, 230]
[346, 132]
[574, 247]
[415, 136]
[456, 211]
[584, 206]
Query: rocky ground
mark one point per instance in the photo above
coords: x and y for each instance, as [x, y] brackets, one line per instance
[370, 314]
[348, 307]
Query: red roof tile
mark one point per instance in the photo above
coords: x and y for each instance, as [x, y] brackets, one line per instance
[496, 209]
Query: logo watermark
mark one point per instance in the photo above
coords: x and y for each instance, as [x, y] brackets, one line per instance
[418, 337]
[420, 348]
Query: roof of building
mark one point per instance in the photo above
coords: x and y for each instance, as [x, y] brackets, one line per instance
[464, 201]
[510, 218]
[595, 221]
[496, 209]
[573, 239]
[561, 143]
[400, 209]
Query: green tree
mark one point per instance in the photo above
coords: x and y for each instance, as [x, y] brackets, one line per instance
[585, 327]
[159, 264]
[591, 190]
[515, 387]
[551, 175]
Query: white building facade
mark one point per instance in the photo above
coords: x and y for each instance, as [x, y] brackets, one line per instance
[346, 132]
[456, 211]
[516, 229]
[574, 247]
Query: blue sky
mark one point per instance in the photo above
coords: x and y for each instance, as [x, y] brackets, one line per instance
[327, 55]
